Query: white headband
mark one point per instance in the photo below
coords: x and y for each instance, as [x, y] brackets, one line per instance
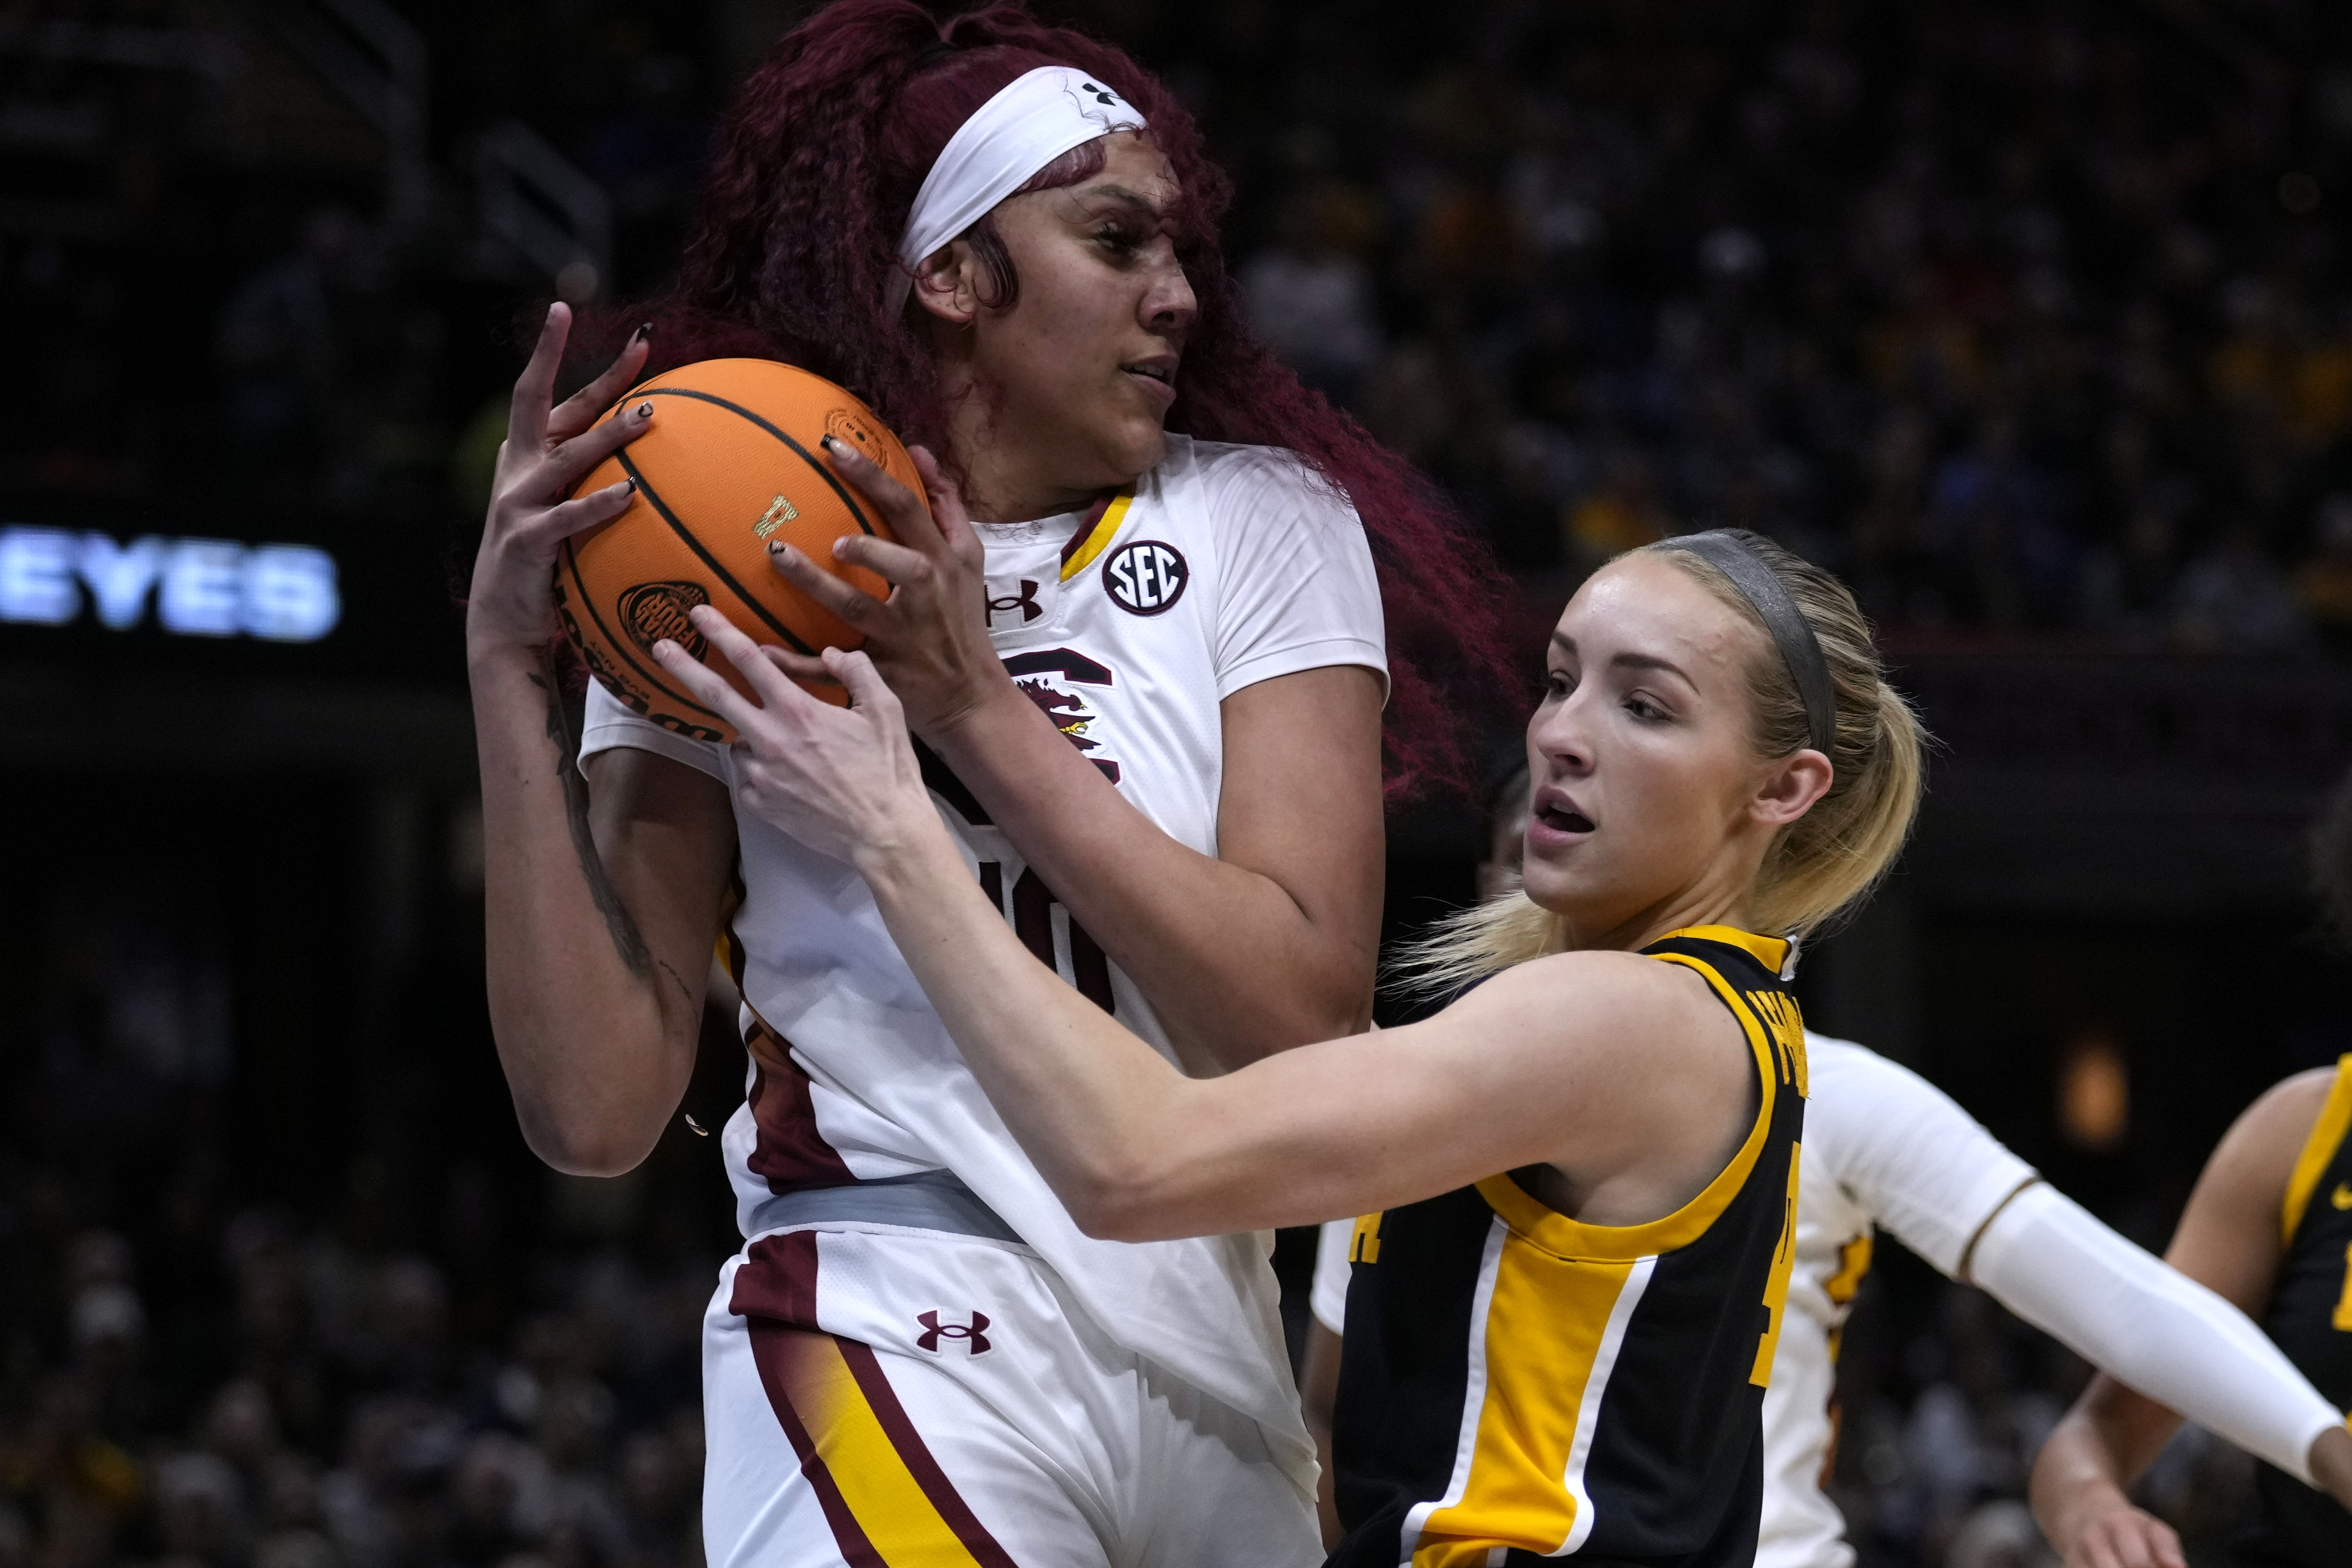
[1036, 118]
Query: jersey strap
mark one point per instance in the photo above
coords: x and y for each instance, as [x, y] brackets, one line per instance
[1095, 533]
[2318, 1151]
[1776, 1042]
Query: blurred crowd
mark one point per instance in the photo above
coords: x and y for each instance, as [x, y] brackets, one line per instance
[245, 1390]
[280, 1286]
[1944, 1399]
[2033, 319]
[2028, 318]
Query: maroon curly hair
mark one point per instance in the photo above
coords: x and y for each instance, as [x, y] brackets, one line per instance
[795, 239]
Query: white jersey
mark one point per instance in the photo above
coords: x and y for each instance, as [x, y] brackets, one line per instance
[1882, 1147]
[1222, 566]
[1885, 1147]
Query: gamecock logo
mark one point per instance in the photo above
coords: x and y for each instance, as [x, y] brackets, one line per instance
[653, 610]
[1036, 674]
[935, 1330]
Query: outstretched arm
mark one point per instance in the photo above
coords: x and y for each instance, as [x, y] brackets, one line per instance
[1644, 1083]
[2151, 1327]
[1951, 1193]
[2228, 1241]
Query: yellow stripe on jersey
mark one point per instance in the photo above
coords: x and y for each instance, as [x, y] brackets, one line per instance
[1561, 1321]
[1562, 1292]
[1776, 1291]
[1105, 527]
[1772, 952]
[883, 1495]
[2318, 1150]
[1777, 1010]
[1364, 1241]
[1779, 1059]
[1854, 1264]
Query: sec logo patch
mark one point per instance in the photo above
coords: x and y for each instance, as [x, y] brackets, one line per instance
[1146, 578]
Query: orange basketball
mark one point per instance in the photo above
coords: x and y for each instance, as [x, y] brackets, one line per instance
[730, 464]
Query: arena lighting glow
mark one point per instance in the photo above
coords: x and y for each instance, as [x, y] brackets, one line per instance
[198, 588]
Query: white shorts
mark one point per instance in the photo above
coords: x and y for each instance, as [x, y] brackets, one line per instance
[895, 1399]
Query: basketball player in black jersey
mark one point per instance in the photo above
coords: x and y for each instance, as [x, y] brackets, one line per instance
[2270, 1227]
[1578, 1181]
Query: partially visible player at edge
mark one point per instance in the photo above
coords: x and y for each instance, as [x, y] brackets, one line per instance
[2269, 1226]
[1579, 1176]
[1883, 1147]
[1002, 236]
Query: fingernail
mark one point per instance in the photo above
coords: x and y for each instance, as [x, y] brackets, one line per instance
[642, 333]
[783, 551]
[645, 411]
[835, 447]
[664, 646]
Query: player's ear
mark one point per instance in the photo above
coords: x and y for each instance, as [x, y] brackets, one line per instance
[948, 284]
[1790, 786]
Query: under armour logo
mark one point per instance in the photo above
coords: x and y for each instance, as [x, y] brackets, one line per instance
[1103, 95]
[935, 1330]
[1024, 601]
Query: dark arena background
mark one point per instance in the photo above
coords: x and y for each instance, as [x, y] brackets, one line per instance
[2030, 319]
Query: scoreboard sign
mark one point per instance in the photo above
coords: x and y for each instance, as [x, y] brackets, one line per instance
[188, 587]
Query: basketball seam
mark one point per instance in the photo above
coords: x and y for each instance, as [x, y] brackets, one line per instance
[654, 497]
[822, 472]
[620, 644]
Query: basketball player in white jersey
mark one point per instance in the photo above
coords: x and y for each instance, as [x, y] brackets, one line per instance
[1147, 673]
[1883, 1147]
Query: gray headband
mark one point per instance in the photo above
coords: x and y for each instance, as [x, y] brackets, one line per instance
[1729, 552]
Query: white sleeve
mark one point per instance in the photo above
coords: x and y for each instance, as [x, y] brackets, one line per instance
[1328, 1298]
[1295, 584]
[2155, 1328]
[1927, 1169]
[608, 723]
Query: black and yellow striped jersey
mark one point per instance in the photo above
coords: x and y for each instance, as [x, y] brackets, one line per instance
[2310, 1318]
[1518, 1385]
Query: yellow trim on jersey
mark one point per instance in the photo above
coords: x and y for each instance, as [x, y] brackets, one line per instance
[1776, 1010]
[1779, 1047]
[1853, 1266]
[2318, 1150]
[1772, 952]
[883, 1495]
[1550, 1351]
[1105, 526]
[1776, 1288]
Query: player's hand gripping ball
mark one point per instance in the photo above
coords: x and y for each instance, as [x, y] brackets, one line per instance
[734, 465]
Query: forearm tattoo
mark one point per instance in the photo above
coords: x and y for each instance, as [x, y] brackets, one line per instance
[627, 940]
